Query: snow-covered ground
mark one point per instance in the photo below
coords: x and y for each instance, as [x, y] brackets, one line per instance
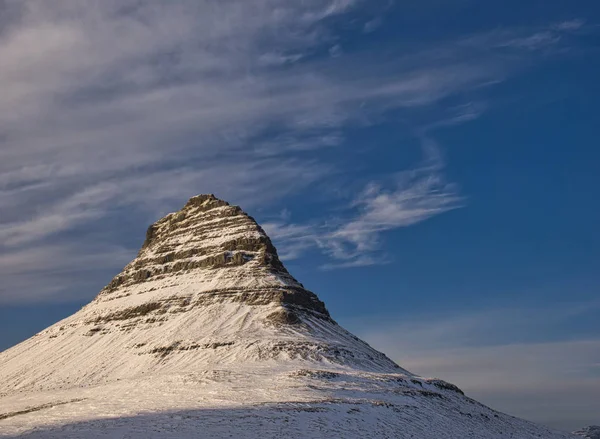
[266, 402]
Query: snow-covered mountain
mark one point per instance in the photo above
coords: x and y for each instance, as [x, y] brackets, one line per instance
[206, 334]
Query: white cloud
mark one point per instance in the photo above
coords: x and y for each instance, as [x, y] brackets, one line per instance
[292, 240]
[570, 25]
[353, 239]
[372, 25]
[417, 196]
[59, 271]
[125, 105]
[534, 42]
[527, 39]
[82, 206]
[94, 91]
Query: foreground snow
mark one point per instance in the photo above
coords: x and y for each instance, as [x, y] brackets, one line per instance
[261, 403]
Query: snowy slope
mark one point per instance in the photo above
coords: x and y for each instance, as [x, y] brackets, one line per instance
[206, 334]
[262, 402]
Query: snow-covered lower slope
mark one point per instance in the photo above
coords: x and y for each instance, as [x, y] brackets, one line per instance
[86, 350]
[267, 402]
[206, 334]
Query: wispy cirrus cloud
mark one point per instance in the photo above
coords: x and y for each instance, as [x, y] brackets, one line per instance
[528, 39]
[37, 274]
[127, 106]
[569, 25]
[417, 196]
[353, 239]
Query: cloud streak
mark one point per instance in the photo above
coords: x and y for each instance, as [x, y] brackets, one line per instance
[353, 239]
[36, 274]
[417, 196]
[121, 106]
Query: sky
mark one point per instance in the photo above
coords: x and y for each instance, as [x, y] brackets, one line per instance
[428, 168]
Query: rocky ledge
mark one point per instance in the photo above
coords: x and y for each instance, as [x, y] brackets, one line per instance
[213, 239]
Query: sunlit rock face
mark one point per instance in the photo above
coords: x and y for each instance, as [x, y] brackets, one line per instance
[209, 252]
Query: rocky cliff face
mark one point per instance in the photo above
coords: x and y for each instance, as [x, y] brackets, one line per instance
[207, 322]
[209, 234]
[223, 252]
[226, 252]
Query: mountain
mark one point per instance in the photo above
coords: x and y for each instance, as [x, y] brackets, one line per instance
[206, 334]
[591, 432]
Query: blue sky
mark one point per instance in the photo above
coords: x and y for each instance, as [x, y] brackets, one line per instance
[429, 168]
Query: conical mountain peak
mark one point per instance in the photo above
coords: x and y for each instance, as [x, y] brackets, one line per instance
[206, 288]
[206, 233]
[216, 249]
[207, 317]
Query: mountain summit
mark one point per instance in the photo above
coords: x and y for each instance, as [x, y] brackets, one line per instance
[205, 333]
